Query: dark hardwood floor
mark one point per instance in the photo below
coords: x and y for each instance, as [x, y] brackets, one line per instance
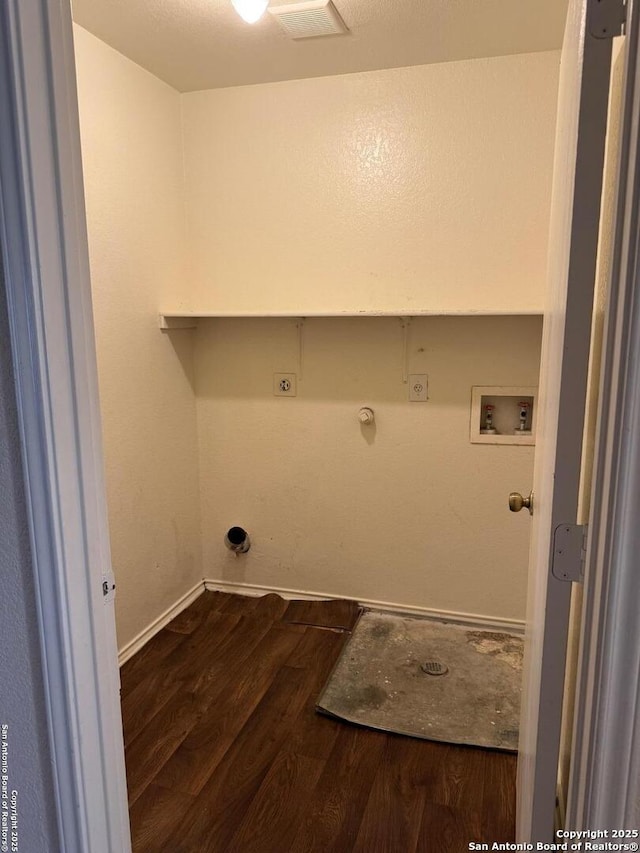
[226, 754]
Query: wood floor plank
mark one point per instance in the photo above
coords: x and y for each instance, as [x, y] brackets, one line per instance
[334, 817]
[170, 649]
[285, 795]
[446, 829]
[149, 752]
[317, 645]
[453, 811]
[145, 700]
[188, 664]
[217, 598]
[269, 606]
[270, 823]
[211, 822]
[208, 647]
[152, 817]
[394, 810]
[460, 779]
[198, 755]
[337, 613]
[313, 734]
[238, 604]
[150, 656]
[177, 671]
[193, 616]
[499, 799]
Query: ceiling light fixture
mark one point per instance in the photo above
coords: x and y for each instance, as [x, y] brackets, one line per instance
[250, 10]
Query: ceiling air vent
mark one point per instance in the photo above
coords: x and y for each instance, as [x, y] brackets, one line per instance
[309, 20]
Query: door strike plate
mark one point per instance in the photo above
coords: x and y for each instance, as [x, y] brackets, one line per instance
[569, 552]
[108, 587]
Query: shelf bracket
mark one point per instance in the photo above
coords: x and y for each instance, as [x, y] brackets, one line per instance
[405, 322]
[300, 328]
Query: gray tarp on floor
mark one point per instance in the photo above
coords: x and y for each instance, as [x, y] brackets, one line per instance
[378, 681]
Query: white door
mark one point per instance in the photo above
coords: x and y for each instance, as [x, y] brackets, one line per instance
[575, 214]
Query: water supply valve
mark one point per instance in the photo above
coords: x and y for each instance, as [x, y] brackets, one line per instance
[366, 416]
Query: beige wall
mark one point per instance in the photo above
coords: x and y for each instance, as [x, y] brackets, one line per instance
[132, 157]
[422, 188]
[407, 513]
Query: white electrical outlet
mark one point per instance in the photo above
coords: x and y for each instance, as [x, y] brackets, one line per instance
[418, 388]
[284, 384]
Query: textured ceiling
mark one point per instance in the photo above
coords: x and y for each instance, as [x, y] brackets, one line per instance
[203, 44]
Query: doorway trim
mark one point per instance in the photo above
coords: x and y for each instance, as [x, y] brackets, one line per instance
[46, 266]
[604, 786]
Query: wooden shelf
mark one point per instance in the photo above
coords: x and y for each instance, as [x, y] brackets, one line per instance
[189, 320]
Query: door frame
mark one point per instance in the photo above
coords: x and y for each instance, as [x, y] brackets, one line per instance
[43, 231]
[46, 267]
[604, 783]
[584, 90]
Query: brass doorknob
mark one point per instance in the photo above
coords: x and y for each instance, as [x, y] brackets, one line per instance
[517, 502]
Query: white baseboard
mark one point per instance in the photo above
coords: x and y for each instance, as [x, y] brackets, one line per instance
[133, 646]
[487, 622]
[144, 636]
